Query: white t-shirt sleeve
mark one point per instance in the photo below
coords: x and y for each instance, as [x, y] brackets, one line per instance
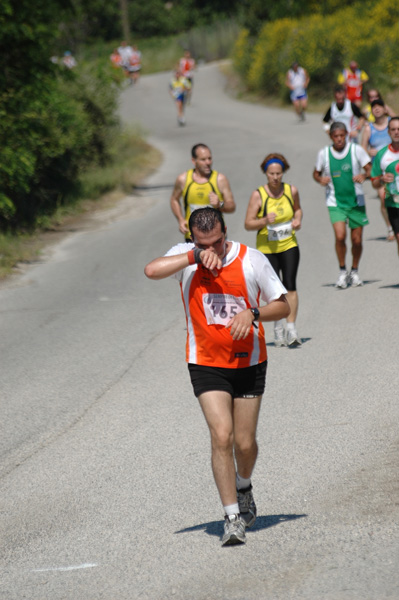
[320, 162]
[269, 284]
[181, 248]
[362, 155]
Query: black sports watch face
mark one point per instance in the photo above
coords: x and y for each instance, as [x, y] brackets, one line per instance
[255, 313]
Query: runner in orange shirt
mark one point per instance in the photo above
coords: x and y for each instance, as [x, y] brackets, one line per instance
[353, 80]
[187, 66]
[222, 283]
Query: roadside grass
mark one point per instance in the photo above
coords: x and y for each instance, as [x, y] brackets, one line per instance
[207, 43]
[133, 160]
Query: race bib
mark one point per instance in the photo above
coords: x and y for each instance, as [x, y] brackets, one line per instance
[220, 308]
[279, 232]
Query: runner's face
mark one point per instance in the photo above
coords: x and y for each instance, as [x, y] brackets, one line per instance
[203, 161]
[378, 110]
[214, 240]
[372, 95]
[340, 98]
[274, 174]
[338, 139]
[393, 130]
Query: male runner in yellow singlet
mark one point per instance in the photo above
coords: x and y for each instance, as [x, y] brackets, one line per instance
[200, 187]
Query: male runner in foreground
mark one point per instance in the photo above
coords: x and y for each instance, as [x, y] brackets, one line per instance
[222, 283]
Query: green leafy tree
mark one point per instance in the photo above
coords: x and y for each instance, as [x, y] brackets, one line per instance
[54, 122]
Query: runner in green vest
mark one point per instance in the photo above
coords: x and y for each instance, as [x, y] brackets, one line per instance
[385, 172]
[342, 168]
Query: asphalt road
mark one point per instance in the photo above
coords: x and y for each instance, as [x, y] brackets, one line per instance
[106, 487]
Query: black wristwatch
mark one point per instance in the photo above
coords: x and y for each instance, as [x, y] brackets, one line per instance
[255, 312]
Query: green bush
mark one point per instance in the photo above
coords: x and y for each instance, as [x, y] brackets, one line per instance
[65, 127]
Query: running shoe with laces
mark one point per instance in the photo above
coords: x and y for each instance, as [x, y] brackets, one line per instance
[279, 339]
[354, 279]
[293, 338]
[247, 505]
[342, 281]
[234, 530]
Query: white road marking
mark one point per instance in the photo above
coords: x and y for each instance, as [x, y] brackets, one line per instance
[72, 568]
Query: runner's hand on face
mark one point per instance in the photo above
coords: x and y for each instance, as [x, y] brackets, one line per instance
[240, 325]
[211, 261]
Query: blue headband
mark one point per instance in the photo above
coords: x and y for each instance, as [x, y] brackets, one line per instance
[274, 160]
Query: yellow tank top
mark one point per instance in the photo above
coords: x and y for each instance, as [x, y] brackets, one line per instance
[196, 195]
[279, 236]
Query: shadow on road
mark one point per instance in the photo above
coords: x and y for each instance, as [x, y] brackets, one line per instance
[216, 527]
[304, 340]
[365, 282]
[394, 286]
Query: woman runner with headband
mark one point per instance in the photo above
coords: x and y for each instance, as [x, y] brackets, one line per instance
[274, 211]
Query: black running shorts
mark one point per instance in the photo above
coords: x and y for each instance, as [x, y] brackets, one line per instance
[393, 215]
[248, 382]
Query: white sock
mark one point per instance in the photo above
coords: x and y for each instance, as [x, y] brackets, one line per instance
[290, 326]
[241, 482]
[279, 324]
[231, 509]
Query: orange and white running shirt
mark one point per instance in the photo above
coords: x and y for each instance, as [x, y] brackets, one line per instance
[187, 66]
[210, 302]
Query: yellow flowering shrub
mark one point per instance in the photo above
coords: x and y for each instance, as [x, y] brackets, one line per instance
[324, 45]
[242, 52]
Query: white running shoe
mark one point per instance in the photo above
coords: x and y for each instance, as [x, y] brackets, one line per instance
[342, 281]
[293, 338]
[354, 279]
[279, 339]
[234, 530]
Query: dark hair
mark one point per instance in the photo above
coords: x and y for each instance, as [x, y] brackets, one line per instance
[195, 148]
[392, 119]
[279, 157]
[339, 88]
[378, 101]
[337, 125]
[205, 220]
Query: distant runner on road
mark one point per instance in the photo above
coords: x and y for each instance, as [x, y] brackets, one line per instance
[187, 66]
[222, 283]
[376, 136]
[199, 187]
[297, 80]
[342, 168]
[346, 112]
[179, 88]
[352, 79]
